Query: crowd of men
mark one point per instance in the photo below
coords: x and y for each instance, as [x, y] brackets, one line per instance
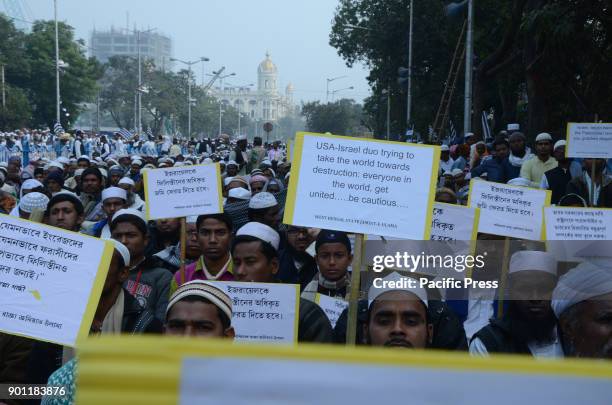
[509, 159]
[96, 187]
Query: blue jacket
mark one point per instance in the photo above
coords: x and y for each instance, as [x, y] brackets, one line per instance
[494, 168]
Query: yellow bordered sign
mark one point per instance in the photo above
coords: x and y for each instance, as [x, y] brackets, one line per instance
[363, 215]
[147, 369]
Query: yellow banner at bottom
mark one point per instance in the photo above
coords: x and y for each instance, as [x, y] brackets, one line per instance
[163, 370]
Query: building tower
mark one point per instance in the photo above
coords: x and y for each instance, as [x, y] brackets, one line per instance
[267, 76]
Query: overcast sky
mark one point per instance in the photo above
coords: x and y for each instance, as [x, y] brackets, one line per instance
[232, 33]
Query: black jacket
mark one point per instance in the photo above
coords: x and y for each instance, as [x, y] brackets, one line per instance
[448, 331]
[289, 274]
[314, 326]
[578, 186]
[557, 179]
[497, 338]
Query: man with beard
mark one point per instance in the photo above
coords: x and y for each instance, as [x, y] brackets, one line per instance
[239, 154]
[582, 302]
[557, 179]
[599, 194]
[534, 169]
[214, 235]
[528, 327]
[519, 154]
[170, 257]
[166, 232]
[398, 314]
[296, 265]
[133, 199]
[264, 208]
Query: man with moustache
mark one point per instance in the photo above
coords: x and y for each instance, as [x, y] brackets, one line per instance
[296, 265]
[529, 325]
[582, 301]
[398, 315]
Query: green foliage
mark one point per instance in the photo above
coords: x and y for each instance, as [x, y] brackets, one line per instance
[343, 117]
[164, 105]
[17, 113]
[77, 80]
[538, 62]
[29, 61]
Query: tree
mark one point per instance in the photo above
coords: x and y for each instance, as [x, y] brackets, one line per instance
[343, 117]
[78, 79]
[13, 54]
[288, 126]
[382, 45]
[118, 88]
[553, 56]
[17, 113]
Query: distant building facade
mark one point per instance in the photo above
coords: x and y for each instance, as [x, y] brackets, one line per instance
[264, 104]
[114, 42]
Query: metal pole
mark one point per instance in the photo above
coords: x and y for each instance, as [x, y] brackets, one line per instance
[467, 111]
[388, 113]
[139, 127]
[136, 110]
[189, 102]
[238, 118]
[327, 92]
[57, 67]
[409, 100]
[3, 90]
[98, 112]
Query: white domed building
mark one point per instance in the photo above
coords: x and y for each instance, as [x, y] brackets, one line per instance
[264, 104]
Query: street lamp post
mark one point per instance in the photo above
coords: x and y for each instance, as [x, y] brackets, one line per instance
[409, 90]
[57, 66]
[467, 108]
[220, 101]
[189, 100]
[387, 92]
[328, 82]
[333, 93]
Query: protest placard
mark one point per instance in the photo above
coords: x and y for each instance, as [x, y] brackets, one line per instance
[50, 280]
[183, 191]
[511, 211]
[454, 222]
[574, 233]
[589, 140]
[362, 185]
[167, 370]
[290, 149]
[332, 307]
[264, 312]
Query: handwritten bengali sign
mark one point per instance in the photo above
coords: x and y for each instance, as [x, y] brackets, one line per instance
[589, 140]
[454, 222]
[264, 312]
[50, 280]
[362, 185]
[506, 210]
[183, 191]
[333, 307]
